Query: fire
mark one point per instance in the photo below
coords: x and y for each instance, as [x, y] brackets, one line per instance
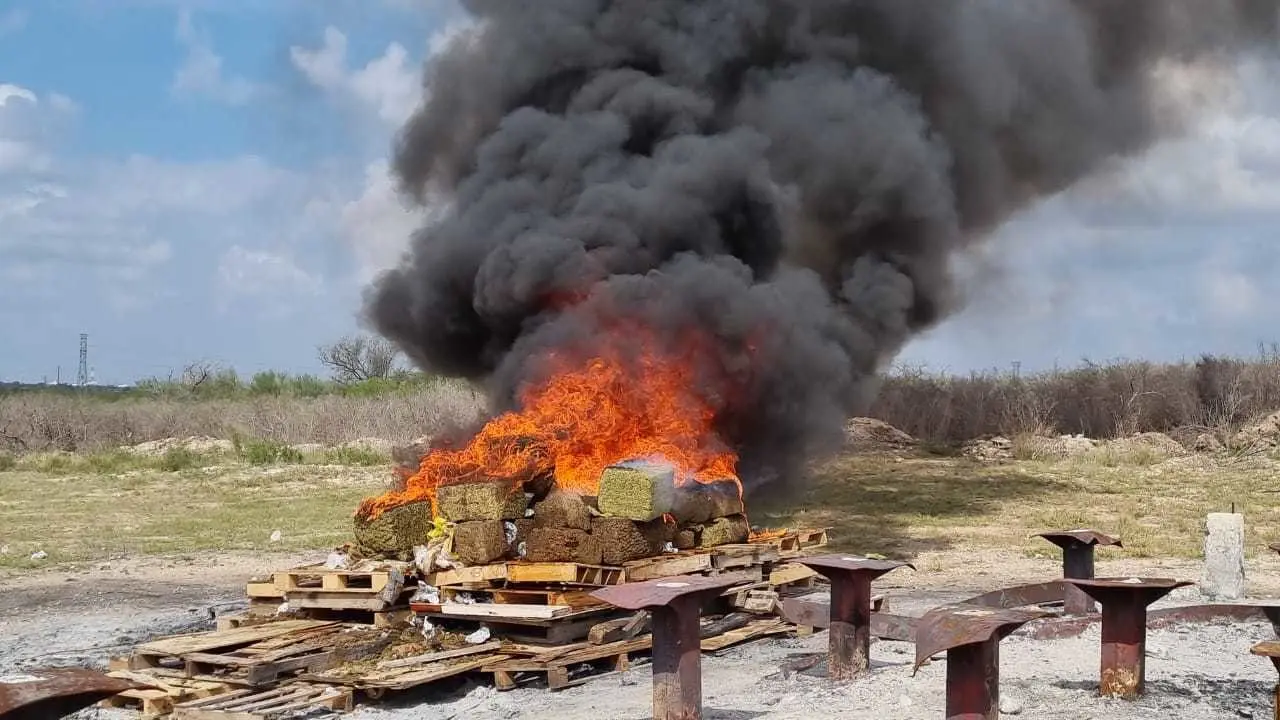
[588, 414]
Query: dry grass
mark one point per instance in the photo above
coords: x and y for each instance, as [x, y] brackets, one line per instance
[76, 516]
[34, 422]
[894, 505]
[1157, 504]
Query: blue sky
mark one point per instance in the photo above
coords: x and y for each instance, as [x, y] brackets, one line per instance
[205, 180]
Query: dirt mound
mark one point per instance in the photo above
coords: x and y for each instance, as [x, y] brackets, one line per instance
[1264, 433]
[989, 449]
[1159, 442]
[196, 444]
[869, 435]
[1056, 448]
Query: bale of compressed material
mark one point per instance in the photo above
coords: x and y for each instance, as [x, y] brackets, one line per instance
[637, 489]
[562, 545]
[725, 531]
[562, 509]
[491, 500]
[698, 502]
[479, 542]
[646, 489]
[622, 540]
[395, 532]
[685, 539]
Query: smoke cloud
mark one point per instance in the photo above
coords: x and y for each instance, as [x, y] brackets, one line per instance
[791, 177]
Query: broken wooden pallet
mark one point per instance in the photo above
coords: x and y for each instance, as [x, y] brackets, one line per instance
[545, 624]
[755, 629]
[261, 654]
[410, 672]
[558, 664]
[160, 694]
[271, 704]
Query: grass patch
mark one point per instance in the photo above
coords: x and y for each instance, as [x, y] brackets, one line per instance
[179, 458]
[266, 452]
[916, 504]
[7, 462]
[353, 456]
[90, 517]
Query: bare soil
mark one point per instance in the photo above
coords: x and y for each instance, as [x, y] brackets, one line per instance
[83, 617]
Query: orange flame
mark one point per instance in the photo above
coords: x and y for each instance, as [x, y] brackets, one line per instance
[586, 416]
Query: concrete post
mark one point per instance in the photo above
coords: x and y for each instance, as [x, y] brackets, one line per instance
[1224, 557]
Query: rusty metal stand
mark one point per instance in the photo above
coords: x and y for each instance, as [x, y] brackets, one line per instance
[56, 692]
[970, 635]
[849, 632]
[1124, 629]
[675, 604]
[1271, 649]
[1077, 564]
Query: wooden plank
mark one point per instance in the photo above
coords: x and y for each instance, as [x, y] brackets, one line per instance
[788, 573]
[342, 600]
[519, 596]
[745, 555]
[404, 678]
[274, 703]
[620, 629]
[653, 569]
[263, 590]
[507, 612]
[441, 655]
[467, 575]
[214, 639]
[753, 630]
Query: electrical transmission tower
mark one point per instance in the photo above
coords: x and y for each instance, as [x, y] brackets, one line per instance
[82, 378]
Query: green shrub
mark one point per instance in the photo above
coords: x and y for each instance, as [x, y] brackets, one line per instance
[268, 452]
[354, 456]
[7, 462]
[178, 458]
[111, 461]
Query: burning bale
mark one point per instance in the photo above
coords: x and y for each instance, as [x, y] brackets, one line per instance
[725, 531]
[644, 490]
[562, 510]
[491, 500]
[623, 540]
[395, 532]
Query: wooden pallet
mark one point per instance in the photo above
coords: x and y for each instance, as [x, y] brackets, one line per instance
[258, 655]
[756, 629]
[478, 576]
[556, 663]
[407, 673]
[564, 573]
[271, 704]
[569, 597]
[322, 578]
[160, 695]
[381, 619]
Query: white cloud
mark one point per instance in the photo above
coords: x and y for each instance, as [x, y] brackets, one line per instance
[245, 273]
[387, 84]
[201, 73]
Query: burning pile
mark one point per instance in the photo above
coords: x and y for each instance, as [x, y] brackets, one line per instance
[611, 458]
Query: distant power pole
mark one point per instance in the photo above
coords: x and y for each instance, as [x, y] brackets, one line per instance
[1017, 369]
[82, 378]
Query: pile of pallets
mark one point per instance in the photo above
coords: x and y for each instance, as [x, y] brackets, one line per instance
[321, 637]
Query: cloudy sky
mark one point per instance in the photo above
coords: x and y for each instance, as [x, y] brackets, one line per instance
[205, 180]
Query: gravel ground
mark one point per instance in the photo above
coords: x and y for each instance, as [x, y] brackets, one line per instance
[1193, 673]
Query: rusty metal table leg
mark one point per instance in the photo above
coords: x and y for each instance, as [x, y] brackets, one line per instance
[1078, 564]
[970, 635]
[1270, 649]
[676, 605]
[677, 660]
[849, 643]
[1123, 663]
[973, 681]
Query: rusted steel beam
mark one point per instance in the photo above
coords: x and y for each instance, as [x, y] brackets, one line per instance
[1057, 628]
[1124, 629]
[55, 692]
[1021, 596]
[675, 605]
[849, 631]
[818, 615]
[970, 635]
[1078, 564]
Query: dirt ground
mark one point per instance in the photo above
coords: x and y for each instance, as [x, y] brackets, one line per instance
[83, 617]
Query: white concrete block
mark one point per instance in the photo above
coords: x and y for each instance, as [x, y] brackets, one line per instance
[1223, 557]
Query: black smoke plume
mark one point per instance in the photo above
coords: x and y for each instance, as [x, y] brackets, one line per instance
[794, 177]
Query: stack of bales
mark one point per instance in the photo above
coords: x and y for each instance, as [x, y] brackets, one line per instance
[640, 512]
